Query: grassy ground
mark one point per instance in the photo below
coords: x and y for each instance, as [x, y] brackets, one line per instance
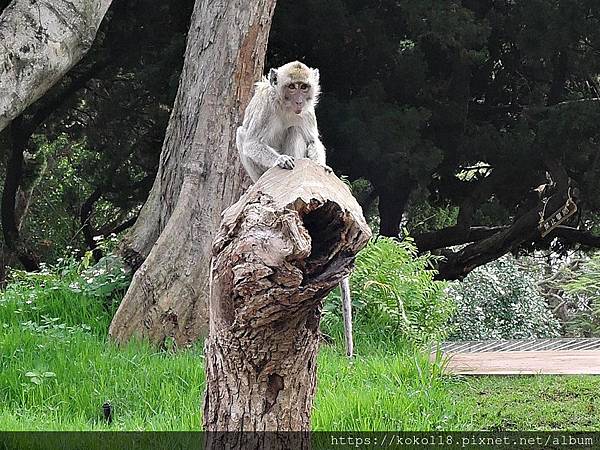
[56, 371]
[529, 402]
[163, 391]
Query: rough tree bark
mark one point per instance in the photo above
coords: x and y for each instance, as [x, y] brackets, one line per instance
[199, 175]
[41, 40]
[280, 249]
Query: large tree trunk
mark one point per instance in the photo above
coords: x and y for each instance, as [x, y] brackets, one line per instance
[41, 41]
[280, 250]
[199, 175]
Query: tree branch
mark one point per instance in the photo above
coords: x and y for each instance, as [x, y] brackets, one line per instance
[524, 229]
[454, 235]
[572, 235]
[30, 63]
[116, 229]
[12, 180]
[85, 219]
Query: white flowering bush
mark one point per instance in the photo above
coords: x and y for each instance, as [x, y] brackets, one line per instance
[500, 301]
[585, 285]
[73, 295]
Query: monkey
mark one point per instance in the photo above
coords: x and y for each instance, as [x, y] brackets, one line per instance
[279, 126]
[279, 123]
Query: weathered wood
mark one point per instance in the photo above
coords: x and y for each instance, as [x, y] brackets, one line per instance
[280, 250]
[199, 175]
[573, 362]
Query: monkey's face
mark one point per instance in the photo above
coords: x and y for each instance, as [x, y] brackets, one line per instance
[296, 96]
[297, 86]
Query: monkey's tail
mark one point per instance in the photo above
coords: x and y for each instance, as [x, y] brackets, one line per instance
[347, 310]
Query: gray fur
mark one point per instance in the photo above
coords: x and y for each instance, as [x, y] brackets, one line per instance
[271, 134]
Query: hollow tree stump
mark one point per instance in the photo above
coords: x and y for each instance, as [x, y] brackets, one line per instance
[280, 250]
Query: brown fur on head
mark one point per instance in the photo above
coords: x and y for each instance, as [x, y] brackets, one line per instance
[298, 72]
[297, 85]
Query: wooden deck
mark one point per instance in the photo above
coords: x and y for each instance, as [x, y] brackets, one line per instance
[556, 357]
[524, 363]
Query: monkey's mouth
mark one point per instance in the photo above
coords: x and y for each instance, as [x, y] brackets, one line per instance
[298, 111]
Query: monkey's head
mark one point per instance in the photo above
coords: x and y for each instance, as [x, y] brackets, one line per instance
[297, 86]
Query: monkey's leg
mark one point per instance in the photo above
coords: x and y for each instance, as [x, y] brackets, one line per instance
[347, 310]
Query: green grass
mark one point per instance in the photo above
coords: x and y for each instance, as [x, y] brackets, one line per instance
[529, 402]
[149, 390]
[388, 386]
[163, 391]
[57, 369]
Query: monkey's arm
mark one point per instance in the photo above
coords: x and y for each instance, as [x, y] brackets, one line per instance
[252, 134]
[315, 150]
[266, 157]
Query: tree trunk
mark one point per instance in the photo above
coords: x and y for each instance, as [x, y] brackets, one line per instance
[280, 250]
[199, 175]
[41, 41]
[9, 210]
[391, 208]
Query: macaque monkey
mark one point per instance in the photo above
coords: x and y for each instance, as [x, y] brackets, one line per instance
[280, 123]
[279, 126]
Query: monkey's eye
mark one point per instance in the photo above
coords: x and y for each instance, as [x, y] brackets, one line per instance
[292, 87]
[304, 86]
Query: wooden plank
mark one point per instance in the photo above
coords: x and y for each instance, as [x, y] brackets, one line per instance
[524, 363]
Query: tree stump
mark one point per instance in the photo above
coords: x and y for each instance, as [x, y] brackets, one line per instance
[280, 250]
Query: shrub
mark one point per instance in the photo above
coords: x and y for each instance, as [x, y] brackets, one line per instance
[586, 286]
[500, 301]
[67, 297]
[393, 291]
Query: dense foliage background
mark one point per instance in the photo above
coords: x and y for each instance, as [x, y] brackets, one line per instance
[460, 125]
[455, 112]
[457, 122]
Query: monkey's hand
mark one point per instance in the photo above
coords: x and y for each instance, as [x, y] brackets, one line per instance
[327, 168]
[285, 162]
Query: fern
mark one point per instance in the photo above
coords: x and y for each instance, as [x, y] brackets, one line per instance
[393, 288]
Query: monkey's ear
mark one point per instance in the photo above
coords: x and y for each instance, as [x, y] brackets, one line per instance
[273, 77]
[316, 74]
